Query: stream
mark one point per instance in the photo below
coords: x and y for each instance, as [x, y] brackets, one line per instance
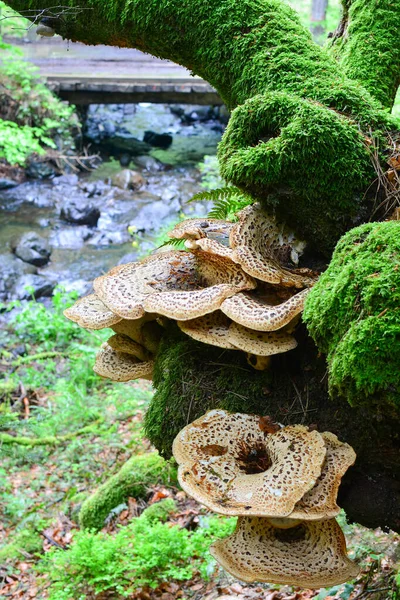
[66, 230]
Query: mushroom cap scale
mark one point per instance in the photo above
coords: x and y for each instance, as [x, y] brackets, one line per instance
[260, 343]
[177, 284]
[252, 311]
[320, 501]
[234, 468]
[120, 366]
[310, 555]
[91, 313]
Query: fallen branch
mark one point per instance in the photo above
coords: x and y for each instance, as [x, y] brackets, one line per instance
[51, 440]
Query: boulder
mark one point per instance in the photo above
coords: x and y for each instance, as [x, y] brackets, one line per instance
[158, 140]
[80, 212]
[5, 183]
[128, 180]
[149, 163]
[125, 142]
[40, 170]
[33, 285]
[70, 237]
[32, 248]
[12, 268]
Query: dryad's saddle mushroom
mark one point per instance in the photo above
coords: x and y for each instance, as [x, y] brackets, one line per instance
[177, 284]
[230, 465]
[310, 555]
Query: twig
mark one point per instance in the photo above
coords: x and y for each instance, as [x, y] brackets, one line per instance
[50, 440]
[52, 542]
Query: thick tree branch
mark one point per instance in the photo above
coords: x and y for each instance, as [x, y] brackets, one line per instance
[367, 45]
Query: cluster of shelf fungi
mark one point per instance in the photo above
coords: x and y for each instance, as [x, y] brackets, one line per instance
[236, 286]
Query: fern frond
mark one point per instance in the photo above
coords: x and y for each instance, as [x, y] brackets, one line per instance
[227, 201]
[178, 244]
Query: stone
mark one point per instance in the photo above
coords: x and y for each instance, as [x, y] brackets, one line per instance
[33, 285]
[128, 180]
[70, 237]
[32, 248]
[125, 160]
[158, 140]
[126, 143]
[12, 268]
[148, 163]
[80, 212]
[6, 184]
[40, 170]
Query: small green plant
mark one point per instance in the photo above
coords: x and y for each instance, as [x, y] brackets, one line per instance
[210, 176]
[227, 202]
[144, 553]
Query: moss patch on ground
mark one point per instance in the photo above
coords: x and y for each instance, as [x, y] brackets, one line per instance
[134, 479]
[353, 314]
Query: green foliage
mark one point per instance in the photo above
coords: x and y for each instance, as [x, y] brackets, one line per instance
[210, 176]
[30, 114]
[353, 314]
[160, 511]
[144, 553]
[370, 50]
[184, 392]
[133, 479]
[227, 202]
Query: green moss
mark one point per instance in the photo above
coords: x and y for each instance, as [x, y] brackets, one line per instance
[191, 378]
[369, 51]
[134, 479]
[160, 511]
[353, 314]
[297, 137]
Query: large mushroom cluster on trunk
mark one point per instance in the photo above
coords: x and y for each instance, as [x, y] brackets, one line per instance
[236, 286]
[282, 483]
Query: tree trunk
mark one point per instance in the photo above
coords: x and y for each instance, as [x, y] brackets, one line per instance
[306, 122]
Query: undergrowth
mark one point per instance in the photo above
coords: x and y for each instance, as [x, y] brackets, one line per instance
[144, 553]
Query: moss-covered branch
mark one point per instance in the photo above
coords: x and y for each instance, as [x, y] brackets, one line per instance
[367, 45]
[307, 127]
[49, 440]
[134, 479]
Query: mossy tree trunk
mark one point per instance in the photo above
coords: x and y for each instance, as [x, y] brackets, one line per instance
[305, 122]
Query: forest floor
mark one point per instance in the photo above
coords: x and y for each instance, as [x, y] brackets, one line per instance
[49, 389]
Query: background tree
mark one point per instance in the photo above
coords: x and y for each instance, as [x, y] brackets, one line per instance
[309, 136]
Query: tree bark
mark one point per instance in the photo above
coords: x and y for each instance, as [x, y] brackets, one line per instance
[299, 140]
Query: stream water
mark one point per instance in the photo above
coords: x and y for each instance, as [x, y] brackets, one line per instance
[83, 220]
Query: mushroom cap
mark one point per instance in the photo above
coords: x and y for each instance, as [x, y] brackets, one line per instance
[310, 555]
[211, 329]
[198, 228]
[320, 501]
[123, 343]
[233, 467]
[254, 311]
[211, 246]
[177, 284]
[260, 343]
[91, 313]
[120, 366]
[254, 240]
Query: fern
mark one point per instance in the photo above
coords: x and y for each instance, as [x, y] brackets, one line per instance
[227, 202]
[178, 244]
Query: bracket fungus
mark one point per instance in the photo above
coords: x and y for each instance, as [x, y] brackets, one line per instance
[310, 555]
[233, 467]
[261, 312]
[217, 330]
[320, 501]
[255, 241]
[121, 366]
[177, 284]
[91, 313]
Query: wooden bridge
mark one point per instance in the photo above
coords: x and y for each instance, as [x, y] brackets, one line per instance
[105, 75]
